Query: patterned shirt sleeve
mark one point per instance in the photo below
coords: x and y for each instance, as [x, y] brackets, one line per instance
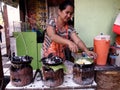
[71, 30]
[51, 22]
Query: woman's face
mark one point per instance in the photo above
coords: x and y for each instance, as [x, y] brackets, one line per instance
[66, 14]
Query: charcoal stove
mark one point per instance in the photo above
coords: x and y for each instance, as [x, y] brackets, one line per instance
[21, 72]
[52, 78]
[83, 74]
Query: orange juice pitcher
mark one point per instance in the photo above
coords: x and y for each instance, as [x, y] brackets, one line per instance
[101, 47]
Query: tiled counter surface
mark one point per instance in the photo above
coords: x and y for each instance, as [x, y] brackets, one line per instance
[68, 84]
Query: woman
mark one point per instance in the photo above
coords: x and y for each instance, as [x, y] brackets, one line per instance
[59, 35]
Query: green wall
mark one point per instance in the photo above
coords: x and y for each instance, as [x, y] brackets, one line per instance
[26, 44]
[93, 17]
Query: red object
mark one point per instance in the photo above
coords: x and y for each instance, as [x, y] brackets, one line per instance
[117, 39]
[101, 47]
[116, 29]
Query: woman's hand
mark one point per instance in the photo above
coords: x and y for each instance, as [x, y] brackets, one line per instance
[91, 54]
[72, 46]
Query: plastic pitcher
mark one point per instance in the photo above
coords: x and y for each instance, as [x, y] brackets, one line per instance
[101, 47]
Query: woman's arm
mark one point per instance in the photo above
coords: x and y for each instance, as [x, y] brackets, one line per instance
[82, 45]
[54, 37]
[78, 42]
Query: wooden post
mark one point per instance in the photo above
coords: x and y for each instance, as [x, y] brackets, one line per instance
[6, 26]
[1, 72]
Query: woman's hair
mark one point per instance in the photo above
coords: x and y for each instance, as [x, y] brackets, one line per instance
[65, 3]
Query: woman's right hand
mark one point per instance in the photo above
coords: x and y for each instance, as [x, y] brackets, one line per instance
[72, 46]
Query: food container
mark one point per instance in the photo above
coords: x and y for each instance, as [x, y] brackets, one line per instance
[114, 56]
[83, 73]
[117, 61]
[21, 72]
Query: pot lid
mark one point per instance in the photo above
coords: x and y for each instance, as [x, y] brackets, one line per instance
[52, 60]
[21, 59]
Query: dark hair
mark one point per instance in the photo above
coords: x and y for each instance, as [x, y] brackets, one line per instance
[64, 4]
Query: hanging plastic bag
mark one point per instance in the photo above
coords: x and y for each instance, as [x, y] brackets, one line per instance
[116, 26]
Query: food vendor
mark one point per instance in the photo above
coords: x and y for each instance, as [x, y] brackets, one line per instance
[60, 35]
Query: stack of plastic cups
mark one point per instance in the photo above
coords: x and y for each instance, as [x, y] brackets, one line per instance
[101, 47]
